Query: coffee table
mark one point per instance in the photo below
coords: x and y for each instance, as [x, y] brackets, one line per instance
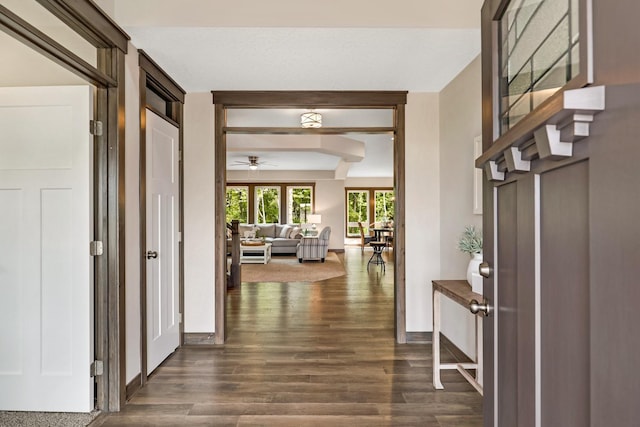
[255, 254]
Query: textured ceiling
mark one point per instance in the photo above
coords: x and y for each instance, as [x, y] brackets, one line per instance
[413, 45]
[203, 59]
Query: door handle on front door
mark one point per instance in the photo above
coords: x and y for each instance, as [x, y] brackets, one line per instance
[475, 307]
[152, 254]
[485, 270]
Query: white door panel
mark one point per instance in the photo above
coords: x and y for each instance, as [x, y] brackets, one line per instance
[163, 187]
[46, 275]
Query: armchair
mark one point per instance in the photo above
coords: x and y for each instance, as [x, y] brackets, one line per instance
[314, 248]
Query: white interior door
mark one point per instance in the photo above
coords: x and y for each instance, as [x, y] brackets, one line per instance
[46, 271]
[163, 191]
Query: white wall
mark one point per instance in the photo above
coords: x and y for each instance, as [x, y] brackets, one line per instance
[369, 182]
[132, 212]
[422, 220]
[460, 122]
[23, 66]
[422, 207]
[330, 204]
[199, 213]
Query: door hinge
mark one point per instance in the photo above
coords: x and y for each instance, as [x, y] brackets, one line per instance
[95, 127]
[179, 317]
[95, 248]
[97, 368]
[179, 236]
[180, 155]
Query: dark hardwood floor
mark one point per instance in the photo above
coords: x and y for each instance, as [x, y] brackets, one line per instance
[306, 354]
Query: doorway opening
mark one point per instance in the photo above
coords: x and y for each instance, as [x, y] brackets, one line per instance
[225, 100]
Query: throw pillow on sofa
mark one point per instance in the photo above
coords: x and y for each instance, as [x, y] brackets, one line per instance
[294, 232]
[285, 231]
[266, 230]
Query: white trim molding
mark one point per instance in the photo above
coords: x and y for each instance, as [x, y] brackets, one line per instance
[565, 120]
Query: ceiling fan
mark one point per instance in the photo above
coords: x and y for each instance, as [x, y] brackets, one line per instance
[253, 163]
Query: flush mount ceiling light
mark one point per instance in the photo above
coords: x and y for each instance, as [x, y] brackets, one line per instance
[311, 119]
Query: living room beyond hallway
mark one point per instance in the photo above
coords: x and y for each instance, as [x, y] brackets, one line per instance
[301, 354]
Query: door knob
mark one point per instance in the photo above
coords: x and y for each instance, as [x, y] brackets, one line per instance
[485, 270]
[475, 307]
[152, 254]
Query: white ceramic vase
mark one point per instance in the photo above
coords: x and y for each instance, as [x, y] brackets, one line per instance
[473, 275]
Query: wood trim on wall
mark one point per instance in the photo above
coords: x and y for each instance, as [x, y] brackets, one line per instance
[220, 224]
[307, 99]
[399, 241]
[394, 100]
[84, 17]
[88, 20]
[142, 207]
[133, 386]
[419, 337]
[40, 42]
[151, 75]
[303, 131]
[160, 80]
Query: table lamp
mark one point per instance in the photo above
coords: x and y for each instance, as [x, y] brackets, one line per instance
[314, 219]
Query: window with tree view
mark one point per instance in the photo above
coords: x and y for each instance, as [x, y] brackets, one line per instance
[539, 53]
[237, 204]
[299, 204]
[384, 206]
[357, 211]
[267, 205]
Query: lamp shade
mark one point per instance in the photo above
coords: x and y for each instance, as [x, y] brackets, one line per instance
[314, 219]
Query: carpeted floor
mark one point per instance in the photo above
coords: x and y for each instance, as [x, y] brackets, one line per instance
[288, 269]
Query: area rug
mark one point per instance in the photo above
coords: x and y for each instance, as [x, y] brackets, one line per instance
[288, 269]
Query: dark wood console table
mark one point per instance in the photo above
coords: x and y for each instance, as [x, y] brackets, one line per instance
[460, 292]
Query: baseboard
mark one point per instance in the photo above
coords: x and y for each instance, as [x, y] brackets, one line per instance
[419, 337]
[199, 338]
[338, 251]
[455, 351]
[133, 386]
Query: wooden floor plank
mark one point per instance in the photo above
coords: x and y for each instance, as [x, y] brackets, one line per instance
[306, 354]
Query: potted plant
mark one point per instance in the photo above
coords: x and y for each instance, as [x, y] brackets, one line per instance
[470, 242]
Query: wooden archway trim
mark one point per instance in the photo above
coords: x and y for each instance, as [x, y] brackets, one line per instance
[395, 100]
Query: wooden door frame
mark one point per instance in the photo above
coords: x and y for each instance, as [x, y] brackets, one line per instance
[111, 42]
[394, 100]
[154, 78]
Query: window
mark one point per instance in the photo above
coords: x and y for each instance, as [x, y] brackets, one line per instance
[384, 205]
[539, 53]
[261, 203]
[237, 204]
[368, 205]
[357, 211]
[267, 204]
[299, 204]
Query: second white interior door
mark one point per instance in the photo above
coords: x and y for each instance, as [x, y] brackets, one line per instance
[163, 191]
